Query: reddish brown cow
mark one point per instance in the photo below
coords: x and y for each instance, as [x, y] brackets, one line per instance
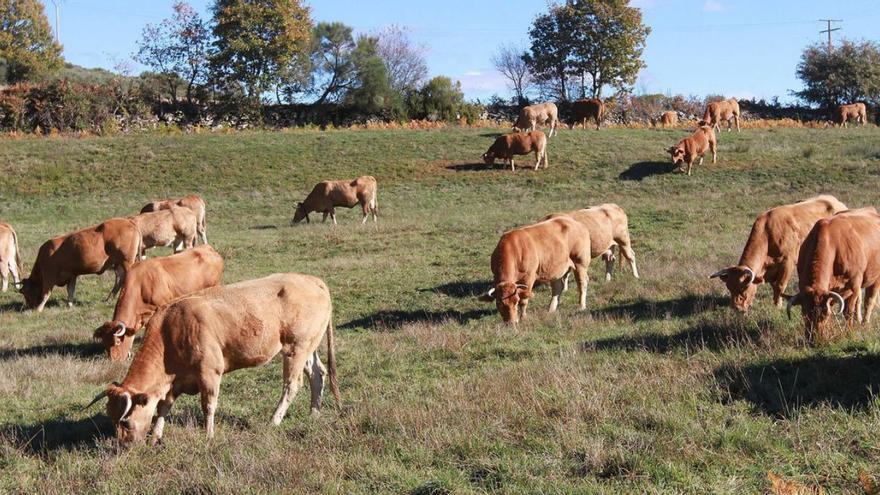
[194, 202]
[533, 115]
[771, 252]
[669, 118]
[10, 256]
[544, 252]
[609, 228]
[721, 111]
[192, 342]
[694, 146]
[329, 194]
[854, 111]
[583, 110]
[518, 143]
[839, 257]
[152, 284]
[114, 244]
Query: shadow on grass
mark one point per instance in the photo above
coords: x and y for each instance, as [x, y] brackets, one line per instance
[396, 319]
[462, 289]
[80, 350]
[469, 167]
[16, 306]
[711, 336]
[57, 434]
[781, 388]
[644, 309]
[263, 227]
[641, 170]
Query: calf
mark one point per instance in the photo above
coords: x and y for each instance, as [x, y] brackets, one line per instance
[152, 284]
[771, 252]
[694, 146]
[583, 110]
[194, 202]
[329, 194]
[544, 252]
[721, 111]
[532, 115]
[854, 111]
[518, 143]
[10, 256]
[191, 343]
[175, 227]
[114, 244]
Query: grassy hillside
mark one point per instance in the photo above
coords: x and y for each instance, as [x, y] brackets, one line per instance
[658, 388]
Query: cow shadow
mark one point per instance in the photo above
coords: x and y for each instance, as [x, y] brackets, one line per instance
[711, 336]
[461, 289]
[644, 309]
[492, 134]
[12, 306]
[263, 227]
[79, 350]
[58, 434]
[393, 320]
[469, 167]
[783, 387]
[642, 170]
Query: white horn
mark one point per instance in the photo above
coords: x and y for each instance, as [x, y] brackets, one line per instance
[720, 273]
[491, 292]
[120, 329]
[127, 405]
[751, 275]
[96, 399]
[840, 301]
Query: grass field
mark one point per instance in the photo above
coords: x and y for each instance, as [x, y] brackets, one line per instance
[658, 388]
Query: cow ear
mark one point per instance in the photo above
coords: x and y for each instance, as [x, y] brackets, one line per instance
[758, 280]
[524, 293]
[140, 399]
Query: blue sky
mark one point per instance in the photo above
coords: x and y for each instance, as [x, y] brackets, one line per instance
[741, 48]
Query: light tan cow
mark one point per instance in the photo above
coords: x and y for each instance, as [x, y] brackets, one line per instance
[10, 256]
[689, 149]
[176, 227]
[192, 342]
[669, 119]
[533, 115]
[194, 202]
[329, 194]
[721, 111]
[854, 111]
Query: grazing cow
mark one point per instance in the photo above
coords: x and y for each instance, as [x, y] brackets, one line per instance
[544, 252]
[668, 119]
[608, 227]
[582, 110]
[721, 111]
[838, 258]
[114, 244]
[694, 146]
[10, 256]
[152, 284]
[176, 227]
[533, 115]
[192, 342]
[771, 252]
[329, 194]
[194, 202]
[854, 111]
[518, 143]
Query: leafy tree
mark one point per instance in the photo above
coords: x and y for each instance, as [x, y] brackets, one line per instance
[177, 50]
[849, 73]
[256, 41]
[26, 41]
[331, 58]
[371, 91]
[438, 99]
[551, 51]
[404, 62]
[511, 63]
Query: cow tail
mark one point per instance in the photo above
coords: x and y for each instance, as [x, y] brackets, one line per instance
[331, 364]
[17, 254]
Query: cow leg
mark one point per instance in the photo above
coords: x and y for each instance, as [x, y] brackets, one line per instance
[512, 166]
[781, 283]
[556, 287]
[537, 159]
[627, 253]
[608, 256]
[316, 372]
[689, 167]
[16, 277]
[209, 389]
[294, 362]
[365, 208]
[4, 275]
[324, 217]
[71, 292]
[120, 279]
[42, 304]
[162, 410]
[582, 278]
[333, 215]
[871, 294]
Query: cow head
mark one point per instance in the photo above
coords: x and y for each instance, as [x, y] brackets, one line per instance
[507, 297]
[677, 153]
[817, 306]
[31, 290]
[116, 338]
[300, 213]
[130, 412]
[742, 284]
[489, 158]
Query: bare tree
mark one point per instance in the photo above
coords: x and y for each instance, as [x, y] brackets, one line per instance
[509, 61]
[404, 61]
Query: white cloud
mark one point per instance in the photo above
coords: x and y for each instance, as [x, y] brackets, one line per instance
[713, 6]
[483, 83]
[473, 73]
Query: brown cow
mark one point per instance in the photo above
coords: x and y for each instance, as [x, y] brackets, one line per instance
[668, 119]
[10, 256]
[115, 244]
[771, 253]
[855, 111]
[541, 113]
[721, 111]
[582, 110]
[694, 146]
[194, 202]
[608, 227]
[839, 257]
[152, 284]
[329, 194]
[544, 252]
[191, 343]
[176, 227]
[518, 143]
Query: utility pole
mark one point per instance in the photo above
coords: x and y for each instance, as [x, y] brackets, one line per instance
[57, 4]
[829, 30]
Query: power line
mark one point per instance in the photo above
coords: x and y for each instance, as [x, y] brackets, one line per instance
[829, 30]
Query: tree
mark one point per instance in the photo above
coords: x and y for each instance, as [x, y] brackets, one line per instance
[404, 63]
[26, 41]
[331, 58]
[599, 39]
[256, 41]
[439, 99]
[511, 63]
[849, 73]
[176, 49]
[371, 91]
